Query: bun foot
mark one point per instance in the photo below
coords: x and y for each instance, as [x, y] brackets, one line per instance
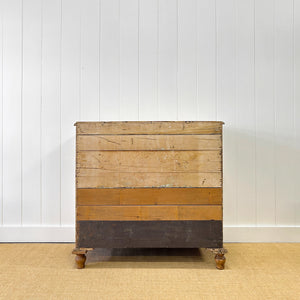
[80, 261]
[80, 257]
[219, 257]
[220, 261]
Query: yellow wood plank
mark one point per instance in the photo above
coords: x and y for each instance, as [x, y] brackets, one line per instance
[149, 142]
[150, 161]
[148, 127]
[95, 178]
[149, 196]
[147, 213]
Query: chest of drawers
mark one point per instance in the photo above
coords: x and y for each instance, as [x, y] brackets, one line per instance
[149, 185]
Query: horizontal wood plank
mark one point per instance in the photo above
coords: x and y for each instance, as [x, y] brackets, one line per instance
[148, 142]
[150, 212]
[150, 161]
[151, 127]
[149, 196]
[149, 234]
[94, 178]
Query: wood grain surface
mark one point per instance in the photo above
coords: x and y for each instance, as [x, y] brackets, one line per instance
[156, 127]
[149, 234]
[95, 178]
[150, 161]
[149, 196]
[148, 142]
[150, 212]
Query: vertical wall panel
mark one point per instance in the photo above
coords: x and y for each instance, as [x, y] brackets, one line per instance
[206, 60]
[12, 112]
[167, 59]
[50, 139]
[265, 115]
[70, 93]
[245, 117]
[90, 47]
[148, 58]
[296, 53]
[1, 109]
[110, 60]
[31, 113]
[226, 102]
[237, 61]
[129, 60]
[187, 60]
[284, 105]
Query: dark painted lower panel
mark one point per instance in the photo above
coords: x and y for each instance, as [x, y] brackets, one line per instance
[149, 234]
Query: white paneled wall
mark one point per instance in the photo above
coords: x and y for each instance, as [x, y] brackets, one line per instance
[232, 60]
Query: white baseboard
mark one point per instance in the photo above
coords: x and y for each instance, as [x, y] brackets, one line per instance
[66, 234]
[279, 234]
[37, 234]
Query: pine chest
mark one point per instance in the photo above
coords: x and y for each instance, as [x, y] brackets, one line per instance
[149, 184]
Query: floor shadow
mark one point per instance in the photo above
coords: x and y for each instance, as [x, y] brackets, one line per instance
[150, 258]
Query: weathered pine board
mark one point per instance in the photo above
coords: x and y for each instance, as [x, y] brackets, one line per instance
[149, 212]
[95, 178]
[148, 142]
[149, 196]
[150, 161]
[156, 127]
[149, 234]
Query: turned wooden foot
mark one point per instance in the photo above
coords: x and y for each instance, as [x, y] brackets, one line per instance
[80, 261]
[80, 257]
[220, 261]
[219, 257]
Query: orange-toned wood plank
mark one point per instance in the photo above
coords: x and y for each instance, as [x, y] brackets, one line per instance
[148, 142]
[147, 213]
[94, 178]
[148, 127]
[149, 196]
[150, 161]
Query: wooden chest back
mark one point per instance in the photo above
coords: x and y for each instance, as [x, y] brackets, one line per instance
[148, 171]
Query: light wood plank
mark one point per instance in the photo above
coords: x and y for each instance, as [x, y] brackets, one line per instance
[147, 213]
[149, 142]
[149, 196]
[150, 161]
[149, 127]
[94, 178]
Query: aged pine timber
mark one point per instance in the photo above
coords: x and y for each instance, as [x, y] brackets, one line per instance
[148, 142]
[149, 212]
[155, 127]
[149, 196]
[95, 178]
[149, 184]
